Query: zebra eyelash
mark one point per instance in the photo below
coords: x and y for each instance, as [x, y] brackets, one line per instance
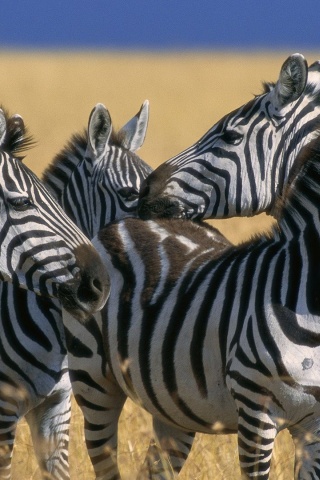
[20, 204]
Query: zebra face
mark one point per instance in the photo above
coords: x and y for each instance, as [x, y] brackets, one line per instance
[119, 177]
[40, 247]
[97, 177]
[242, 163]
[116, 171]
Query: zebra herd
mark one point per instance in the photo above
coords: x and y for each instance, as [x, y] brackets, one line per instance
[206, 336]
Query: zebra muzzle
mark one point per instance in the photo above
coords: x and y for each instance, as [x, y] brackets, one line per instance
[88, 292]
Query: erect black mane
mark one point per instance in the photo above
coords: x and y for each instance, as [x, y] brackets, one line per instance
[308, 154]
[17, 139]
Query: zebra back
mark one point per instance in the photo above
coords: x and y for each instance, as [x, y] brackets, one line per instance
[241, 165]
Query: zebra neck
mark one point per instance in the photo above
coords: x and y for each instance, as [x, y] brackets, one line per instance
[284, 169]
[300, 212]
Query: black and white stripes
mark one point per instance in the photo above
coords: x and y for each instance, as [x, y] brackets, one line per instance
[218, 342]
[239, 166]
[93, 169]
[40, 248]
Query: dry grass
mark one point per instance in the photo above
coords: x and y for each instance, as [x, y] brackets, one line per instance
[55, 94]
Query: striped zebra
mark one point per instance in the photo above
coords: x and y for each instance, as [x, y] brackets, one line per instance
[241, 164]
[88, 374]
[40, 248]
[218, 342]
[95, 178]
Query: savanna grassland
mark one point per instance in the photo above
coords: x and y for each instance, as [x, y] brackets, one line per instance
[54, 93]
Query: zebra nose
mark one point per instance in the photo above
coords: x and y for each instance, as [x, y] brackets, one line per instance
[89, 290]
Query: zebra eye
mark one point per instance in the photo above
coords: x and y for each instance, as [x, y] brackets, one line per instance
[231, 137]
[20, 203]
[128, 193]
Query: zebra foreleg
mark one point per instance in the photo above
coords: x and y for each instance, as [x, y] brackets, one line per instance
[49, 426]
[101, 404]
[7, 436]
[12, 405]
[306, 437]
[256, 434]
[167, 453]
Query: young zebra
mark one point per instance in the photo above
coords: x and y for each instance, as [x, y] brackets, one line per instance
[96, 178]
[241, 164]
[40, 248]
[219, 343]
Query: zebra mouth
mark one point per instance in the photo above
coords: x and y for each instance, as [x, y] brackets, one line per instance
[162, 208]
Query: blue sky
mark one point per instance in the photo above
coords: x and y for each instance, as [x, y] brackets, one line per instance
[160, 24]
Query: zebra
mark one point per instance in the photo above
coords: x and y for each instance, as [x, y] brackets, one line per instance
[241, 164]
[95, 179]
[303, 109]
[40, 248]
[218, 341]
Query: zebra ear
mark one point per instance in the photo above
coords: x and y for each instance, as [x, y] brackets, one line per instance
[3, 127]
[292, 80]
[99, 129]
[133, 133]
[315, 66]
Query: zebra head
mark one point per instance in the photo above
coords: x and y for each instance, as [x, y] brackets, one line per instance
[241, 164]
[40, 247]
[97, 177]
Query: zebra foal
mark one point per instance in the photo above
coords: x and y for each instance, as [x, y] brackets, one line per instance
[95, 178]
[225, 342]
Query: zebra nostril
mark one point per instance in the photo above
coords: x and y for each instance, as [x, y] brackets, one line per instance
[97, 285]
[89, 290]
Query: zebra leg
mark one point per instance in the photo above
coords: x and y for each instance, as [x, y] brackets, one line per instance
[167, 453]
[306, 437]
[49, 426]
[101, 405]
[13, 401]
[8, 426]
[256, 435]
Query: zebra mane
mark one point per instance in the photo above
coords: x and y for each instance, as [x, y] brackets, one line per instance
[309, 155]
[267, 87]
[17, 139]
[57, 174]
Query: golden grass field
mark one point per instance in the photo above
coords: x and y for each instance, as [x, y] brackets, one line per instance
[188, 93]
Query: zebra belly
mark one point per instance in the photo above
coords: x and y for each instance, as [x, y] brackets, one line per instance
[170, 388]
[215, 413]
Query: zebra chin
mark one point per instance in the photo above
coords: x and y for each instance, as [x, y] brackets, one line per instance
[89, 290]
